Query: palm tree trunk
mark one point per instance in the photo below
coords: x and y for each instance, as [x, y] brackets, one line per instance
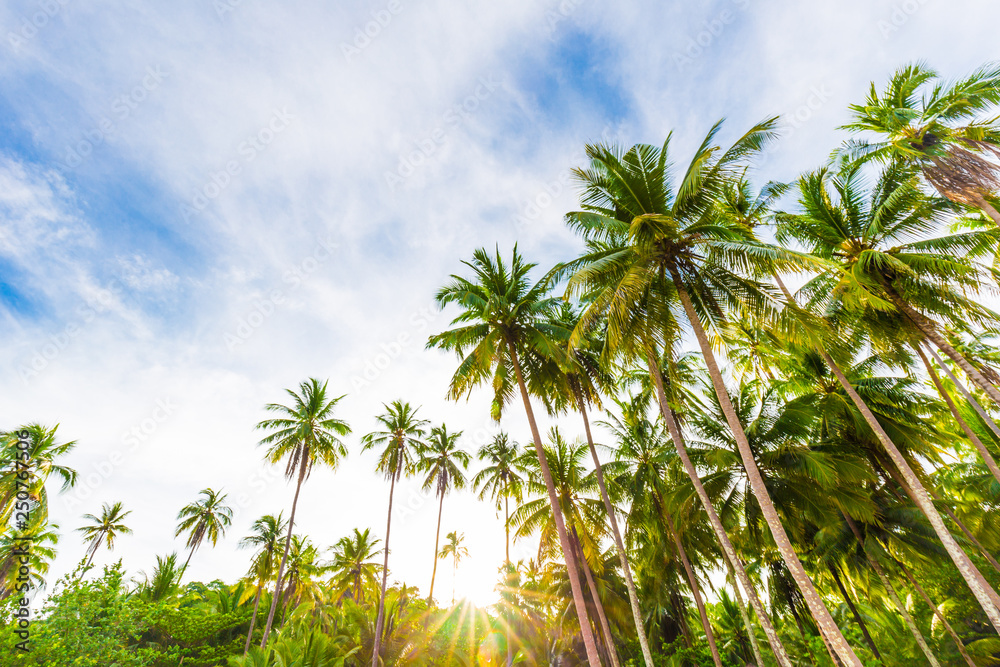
[815, 603]
[854, 611]
[713, 518]
[929, 328]
[506, 528]
[920, 498]
[598, 605]
[288, 545]
[907, 618]
[980, 447]
[380, 618]
[693, 584]
[574, 577]
[253, 617]
[965, 392]
[972, 538]
[633, 598]
[93, 552]
[944, 621]
[437, 540]
[181, 575]
[744, 614]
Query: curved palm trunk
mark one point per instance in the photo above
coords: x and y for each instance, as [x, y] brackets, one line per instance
[921, 498]
[986, 207]
[929, 329]
[815, 603]
[609, 642]
[380, 619]
[93, 552]
[980, 447]
[907, 618]
[695, 588]
[744, 615]
[437, 540]
[184, 569]
[633, 598]
[284, 556]
[854, 611]
[944, 621]
[984, 552]
[253, 617]
[574, 577]
[965, 392]
[713, 518]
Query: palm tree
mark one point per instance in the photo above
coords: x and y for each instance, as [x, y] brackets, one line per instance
[352, 567]
[264, 538]
[306, 434]
[34, 548]
[104, 529]
[938, 132]
[39, 460]
[502, 318]
[453, 547]
[875, 273]
[164, 581]
[444, 464]
[207, 517]
[501, 479]
[652, 249]
[400, 440]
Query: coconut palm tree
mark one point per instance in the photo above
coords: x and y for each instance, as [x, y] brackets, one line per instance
[352, 568]
[40, 461]
[399, 441]
[34, 548]
[876, 272]
[502, 318]
[104, 529]
[207, 517]
[942, 132]
[305, 434]
[443, 463]
[658, 255]
[453, 547]
[265, 538]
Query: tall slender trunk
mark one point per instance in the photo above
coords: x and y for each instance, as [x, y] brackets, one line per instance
[920, 497]
[253, 618]
[93, 552]
[929, 328]
[380, 618]
[744, 614]
[506, 527]
[574, 577]
[633, 598]
[288, 545]
[437, 539]
[980, 447]
[854, 610]
[184, 569]
[907, 618]
[713, 518]
[815, 603]
[609, 642]
[944, 621]
[972, 538]
[693, 585]
[986, 417]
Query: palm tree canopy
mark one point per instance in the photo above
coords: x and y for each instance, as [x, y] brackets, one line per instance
[503, 475]
[209, 516]
[443, 461]
[106, 527]
[402, 435]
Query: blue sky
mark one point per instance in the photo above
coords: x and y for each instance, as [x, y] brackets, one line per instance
[203, 203]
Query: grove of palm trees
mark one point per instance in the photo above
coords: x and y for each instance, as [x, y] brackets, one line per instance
[761, 428]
